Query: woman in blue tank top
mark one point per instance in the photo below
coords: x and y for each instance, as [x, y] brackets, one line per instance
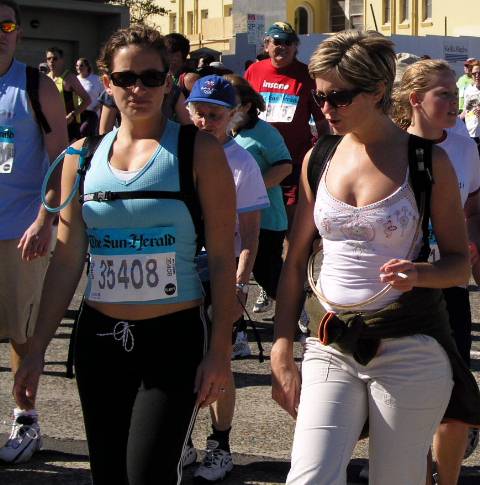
[139, 391]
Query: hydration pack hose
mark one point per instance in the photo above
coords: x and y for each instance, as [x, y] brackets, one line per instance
[80, 173]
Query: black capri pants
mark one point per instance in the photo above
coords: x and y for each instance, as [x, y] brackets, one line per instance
[269, 262]
[136, 380]
[460, 317]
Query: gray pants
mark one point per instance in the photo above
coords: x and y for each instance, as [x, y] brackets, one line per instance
[404, 392]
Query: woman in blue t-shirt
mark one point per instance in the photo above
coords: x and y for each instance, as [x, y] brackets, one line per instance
[268, 147]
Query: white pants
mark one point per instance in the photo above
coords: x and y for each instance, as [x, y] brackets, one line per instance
[404, 392]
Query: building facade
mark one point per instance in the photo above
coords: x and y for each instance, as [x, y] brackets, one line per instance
[79, 28]
[214, 23]
[423, 17]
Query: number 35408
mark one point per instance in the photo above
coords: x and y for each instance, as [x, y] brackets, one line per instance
[131, 272]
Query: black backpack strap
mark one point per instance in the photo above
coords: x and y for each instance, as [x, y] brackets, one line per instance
[32, 87]
[90, 145]
[186, 143]
[421, 180]
[321, 153]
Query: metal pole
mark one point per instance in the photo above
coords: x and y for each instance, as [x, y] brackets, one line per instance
[445, 25]
[374, 19]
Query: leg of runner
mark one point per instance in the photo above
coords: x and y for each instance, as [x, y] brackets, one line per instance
[218, 459]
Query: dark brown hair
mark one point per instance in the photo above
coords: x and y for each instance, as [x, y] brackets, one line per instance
[140, 35]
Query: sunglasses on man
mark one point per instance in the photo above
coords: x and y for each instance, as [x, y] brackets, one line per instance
[288, 43]
[150, 78]
[7, 27]
[337, 99]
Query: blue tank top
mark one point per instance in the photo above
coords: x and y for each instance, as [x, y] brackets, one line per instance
[141, 250]
[23, 158]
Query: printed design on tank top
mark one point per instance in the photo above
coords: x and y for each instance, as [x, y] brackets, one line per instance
[132, 264]
[363, 227]
[399, 219]
[7, 149]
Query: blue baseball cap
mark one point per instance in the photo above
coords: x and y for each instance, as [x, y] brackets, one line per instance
[214, 90]
[282, 31]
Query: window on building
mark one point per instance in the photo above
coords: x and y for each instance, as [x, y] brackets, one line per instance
[337, 15]
[427, 9]
[189, 23]
[346, 14]
[204, 14]
[227, 10]
[173, 22]
[387, 11]
[301, 20]
[404, 10]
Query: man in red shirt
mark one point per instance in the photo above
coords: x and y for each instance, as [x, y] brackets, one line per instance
[286, 86]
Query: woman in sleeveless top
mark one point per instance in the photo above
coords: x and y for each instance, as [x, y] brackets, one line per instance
[144, 364]
[426, 104]
[366, 213]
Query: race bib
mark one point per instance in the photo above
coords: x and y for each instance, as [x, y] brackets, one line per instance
[280, 107]
[132, 265]
[6, 149]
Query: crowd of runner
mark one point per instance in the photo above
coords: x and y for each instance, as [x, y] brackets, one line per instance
[177, 182]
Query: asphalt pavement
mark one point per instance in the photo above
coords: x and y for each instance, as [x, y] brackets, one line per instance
[261, 436]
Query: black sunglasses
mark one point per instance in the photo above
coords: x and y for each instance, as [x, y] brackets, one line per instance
[150, 78]
[288, 43]
[338, 99]
[7, 26]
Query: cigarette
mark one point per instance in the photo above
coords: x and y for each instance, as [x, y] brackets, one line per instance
[402, 275]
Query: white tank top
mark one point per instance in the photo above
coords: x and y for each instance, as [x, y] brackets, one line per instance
[357, 241]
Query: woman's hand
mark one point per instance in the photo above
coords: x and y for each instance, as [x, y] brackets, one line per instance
[286, 380]
[401, 274]
[26, 380]
[212, 377]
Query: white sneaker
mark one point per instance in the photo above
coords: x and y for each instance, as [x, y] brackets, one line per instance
[216, 464]
[263, 303]
[303, 322]
[25, 439]
[473, 435]
[189, 456]
[241, 347]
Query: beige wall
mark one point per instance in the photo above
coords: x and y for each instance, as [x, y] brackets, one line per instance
[449, 17]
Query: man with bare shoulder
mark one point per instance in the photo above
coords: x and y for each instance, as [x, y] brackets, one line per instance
[32, 133]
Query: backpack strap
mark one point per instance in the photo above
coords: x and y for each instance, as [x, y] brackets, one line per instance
[186, 143]
[32, 87]
[187, 192]
[421, 180]
[321, 154]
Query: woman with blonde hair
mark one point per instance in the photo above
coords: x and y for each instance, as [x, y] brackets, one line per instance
[426, 105]
[383, 350]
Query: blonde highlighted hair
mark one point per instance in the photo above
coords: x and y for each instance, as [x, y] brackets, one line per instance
[417, 78]
[363, 59]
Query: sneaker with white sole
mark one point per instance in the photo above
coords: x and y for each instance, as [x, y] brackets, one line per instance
[241, 347]
[25, 439]
[216, 464]
[263, 303]
[189, 456]
[472, 443]
[303, 322]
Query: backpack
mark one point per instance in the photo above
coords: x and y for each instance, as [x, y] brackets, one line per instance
[32, 83]
[420, 170]
[187, 192]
